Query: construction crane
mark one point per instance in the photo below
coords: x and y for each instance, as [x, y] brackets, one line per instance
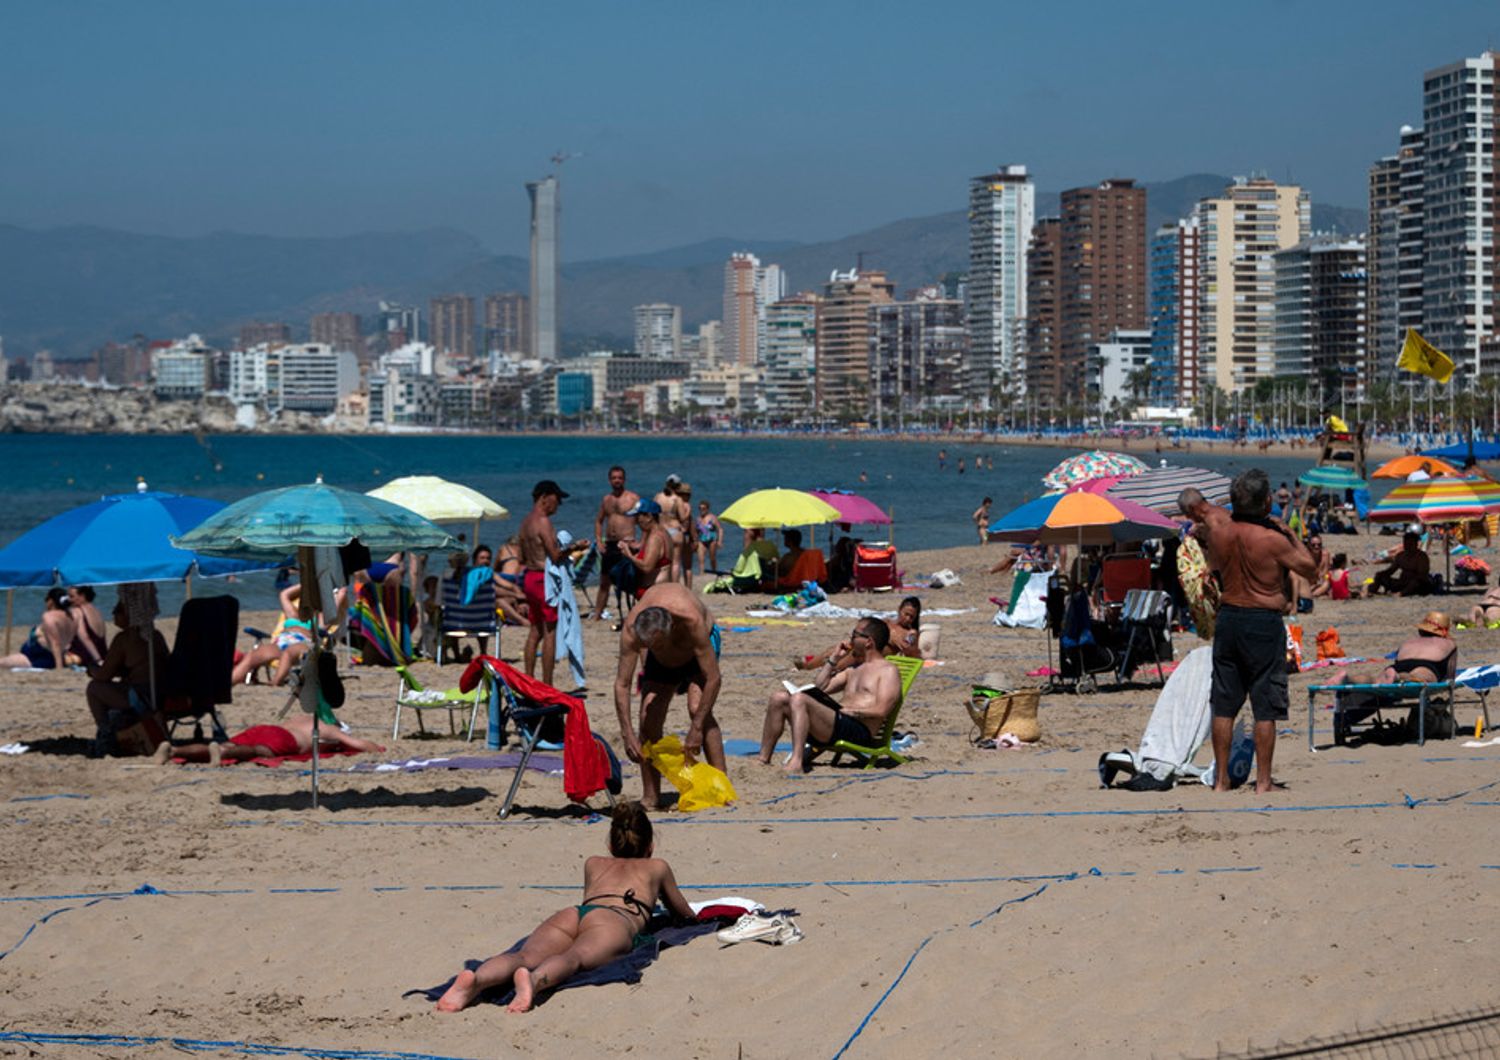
[562, 156]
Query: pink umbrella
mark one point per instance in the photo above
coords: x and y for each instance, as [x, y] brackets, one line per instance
[853, 508]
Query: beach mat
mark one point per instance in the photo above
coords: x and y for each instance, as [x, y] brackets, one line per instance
[540, 763]
[273, 761]
[626, 968]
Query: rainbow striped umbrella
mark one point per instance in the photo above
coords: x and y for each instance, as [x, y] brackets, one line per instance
[1081, 518]
[1099, 463]
[1487, 490]
[1433, 500]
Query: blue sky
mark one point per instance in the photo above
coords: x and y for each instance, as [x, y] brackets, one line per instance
[765, 120]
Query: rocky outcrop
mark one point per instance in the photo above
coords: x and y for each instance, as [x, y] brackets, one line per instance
[45, 408]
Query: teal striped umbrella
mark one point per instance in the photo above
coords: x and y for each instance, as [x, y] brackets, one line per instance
[1333, 478]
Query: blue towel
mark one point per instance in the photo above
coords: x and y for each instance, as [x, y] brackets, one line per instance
[473, 580]
[625, 968]
[569, 624]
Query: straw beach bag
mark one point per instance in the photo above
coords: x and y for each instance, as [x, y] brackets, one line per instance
[994, 710]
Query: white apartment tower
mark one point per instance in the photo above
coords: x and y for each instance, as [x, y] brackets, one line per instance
[1460, 188]
[1239, 234]
[545, 208]
[1002, 209]
[658, 330]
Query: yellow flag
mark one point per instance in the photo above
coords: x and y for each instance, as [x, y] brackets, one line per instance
[1420, 356]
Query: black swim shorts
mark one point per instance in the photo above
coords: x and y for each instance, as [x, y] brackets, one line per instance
[655, 672]
[850, 729]
[1249, 660]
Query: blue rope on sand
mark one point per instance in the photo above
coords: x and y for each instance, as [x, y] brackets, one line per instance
[144, 888]
[204, 1045]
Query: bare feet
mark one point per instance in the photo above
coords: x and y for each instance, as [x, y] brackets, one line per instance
[163, 753]
[461, 994]
[216, 754]
[525, 992]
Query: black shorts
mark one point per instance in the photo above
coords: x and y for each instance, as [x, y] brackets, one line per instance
[851, 730]
[610, 557]
[1249, 660]
[655, 672]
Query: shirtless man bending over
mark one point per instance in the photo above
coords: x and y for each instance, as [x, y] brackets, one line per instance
[612, 525]
[538, 542]
[1253, 554]
[871, 690]
[681, 645]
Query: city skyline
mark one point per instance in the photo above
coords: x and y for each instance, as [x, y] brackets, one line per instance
[342, 140]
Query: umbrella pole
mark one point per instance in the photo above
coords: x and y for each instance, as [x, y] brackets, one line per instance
[187, 586]
[151, 662]
[10, 610]
[308, 573]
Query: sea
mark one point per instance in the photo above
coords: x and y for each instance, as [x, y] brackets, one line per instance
[931, 501]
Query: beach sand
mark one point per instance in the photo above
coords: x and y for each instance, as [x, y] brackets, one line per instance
[971, 902]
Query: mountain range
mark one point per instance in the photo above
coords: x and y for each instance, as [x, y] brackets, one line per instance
[71, 289]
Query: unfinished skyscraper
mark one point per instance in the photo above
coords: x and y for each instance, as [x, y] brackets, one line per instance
[545, 208]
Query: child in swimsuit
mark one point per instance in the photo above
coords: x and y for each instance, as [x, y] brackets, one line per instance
[620, 893]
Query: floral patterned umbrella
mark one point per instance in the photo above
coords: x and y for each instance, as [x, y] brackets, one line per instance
[1099, 463]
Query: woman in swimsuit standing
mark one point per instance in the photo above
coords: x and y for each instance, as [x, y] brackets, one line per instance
[620, 892]
[709, 532]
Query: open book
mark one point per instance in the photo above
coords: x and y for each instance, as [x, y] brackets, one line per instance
[814, 692]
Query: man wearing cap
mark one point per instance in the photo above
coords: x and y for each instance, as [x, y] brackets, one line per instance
[538, 544]
[653, 553]
[1253, 553]
[612, 525]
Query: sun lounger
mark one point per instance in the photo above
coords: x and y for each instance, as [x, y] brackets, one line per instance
[1395, 694]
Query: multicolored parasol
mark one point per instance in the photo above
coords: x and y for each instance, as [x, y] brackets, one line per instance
[1098, 463]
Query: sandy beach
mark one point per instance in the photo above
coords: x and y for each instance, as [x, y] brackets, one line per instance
[971, 902]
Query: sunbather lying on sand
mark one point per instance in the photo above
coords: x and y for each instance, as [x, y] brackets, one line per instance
[625, 885]
[266, 741]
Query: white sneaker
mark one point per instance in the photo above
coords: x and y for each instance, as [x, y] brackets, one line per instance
[789, 934]
[753, 926]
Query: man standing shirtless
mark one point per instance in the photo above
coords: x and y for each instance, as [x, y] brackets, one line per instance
[538, 543]
[1253, 554]
[612, 525]
[681, 645]
[871, 690]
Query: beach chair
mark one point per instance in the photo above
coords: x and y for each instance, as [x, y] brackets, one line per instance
[477, 618]
[1354, 703]
[880, 749]
[1122, 573]
[1145, 624]
[199, 672]
[412, 696]
[510, 705]
[875, 567]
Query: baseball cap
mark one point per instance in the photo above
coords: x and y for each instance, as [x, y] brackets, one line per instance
[674, 480]
[546, 486]
[645, 507]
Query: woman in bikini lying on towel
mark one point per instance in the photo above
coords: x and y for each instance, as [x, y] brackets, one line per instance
[266, 741]
[619, 893]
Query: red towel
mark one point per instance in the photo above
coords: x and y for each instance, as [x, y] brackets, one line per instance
[585, 764]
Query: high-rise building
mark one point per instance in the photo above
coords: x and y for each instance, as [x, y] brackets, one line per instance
[1460, 203]
[507, 323]
[1043, 320]
[450, 325]
[546, 208]
[1002, 209]
[1239, 232]
[123, 363]
[791, 357]
[658, 330]
[1102, 270]
[711, 342]
[339, 330]
[1409, 243]
[917, 350]
[400, 324]
[1320, 314]
[1381, 245]
[749, 287]
[843, 358]
[264, 332]
[1175, 298]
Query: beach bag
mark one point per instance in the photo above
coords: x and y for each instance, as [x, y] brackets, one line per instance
[994, 711]
[142, 736]
[1293, 648]
[701, 785]
[1328, 644]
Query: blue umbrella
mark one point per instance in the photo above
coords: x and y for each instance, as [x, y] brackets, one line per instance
[120, 538]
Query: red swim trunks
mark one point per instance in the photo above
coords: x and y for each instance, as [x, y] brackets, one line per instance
[272, 737]
[534, 585]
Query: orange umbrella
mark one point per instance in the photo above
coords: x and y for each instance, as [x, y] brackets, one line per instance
[1405, 465]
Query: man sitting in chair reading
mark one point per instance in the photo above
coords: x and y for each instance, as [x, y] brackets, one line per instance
[871, 690]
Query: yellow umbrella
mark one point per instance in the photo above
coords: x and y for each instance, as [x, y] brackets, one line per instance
[770, 509]
[440, 501]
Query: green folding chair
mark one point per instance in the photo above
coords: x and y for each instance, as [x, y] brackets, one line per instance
[411, 695]
[874, 752]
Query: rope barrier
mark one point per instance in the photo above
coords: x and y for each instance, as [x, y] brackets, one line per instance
[206, 1045]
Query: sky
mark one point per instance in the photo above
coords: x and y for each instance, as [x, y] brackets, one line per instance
[686, 120]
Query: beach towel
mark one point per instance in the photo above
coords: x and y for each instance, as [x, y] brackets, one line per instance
[1178, 725]
[540, 763]
[376, 617]
[1028, 602]
[586, 766]
[560, 595]
[626, 968]
[473, 580]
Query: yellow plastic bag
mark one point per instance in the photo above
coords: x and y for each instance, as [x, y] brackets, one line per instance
[701, 785]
